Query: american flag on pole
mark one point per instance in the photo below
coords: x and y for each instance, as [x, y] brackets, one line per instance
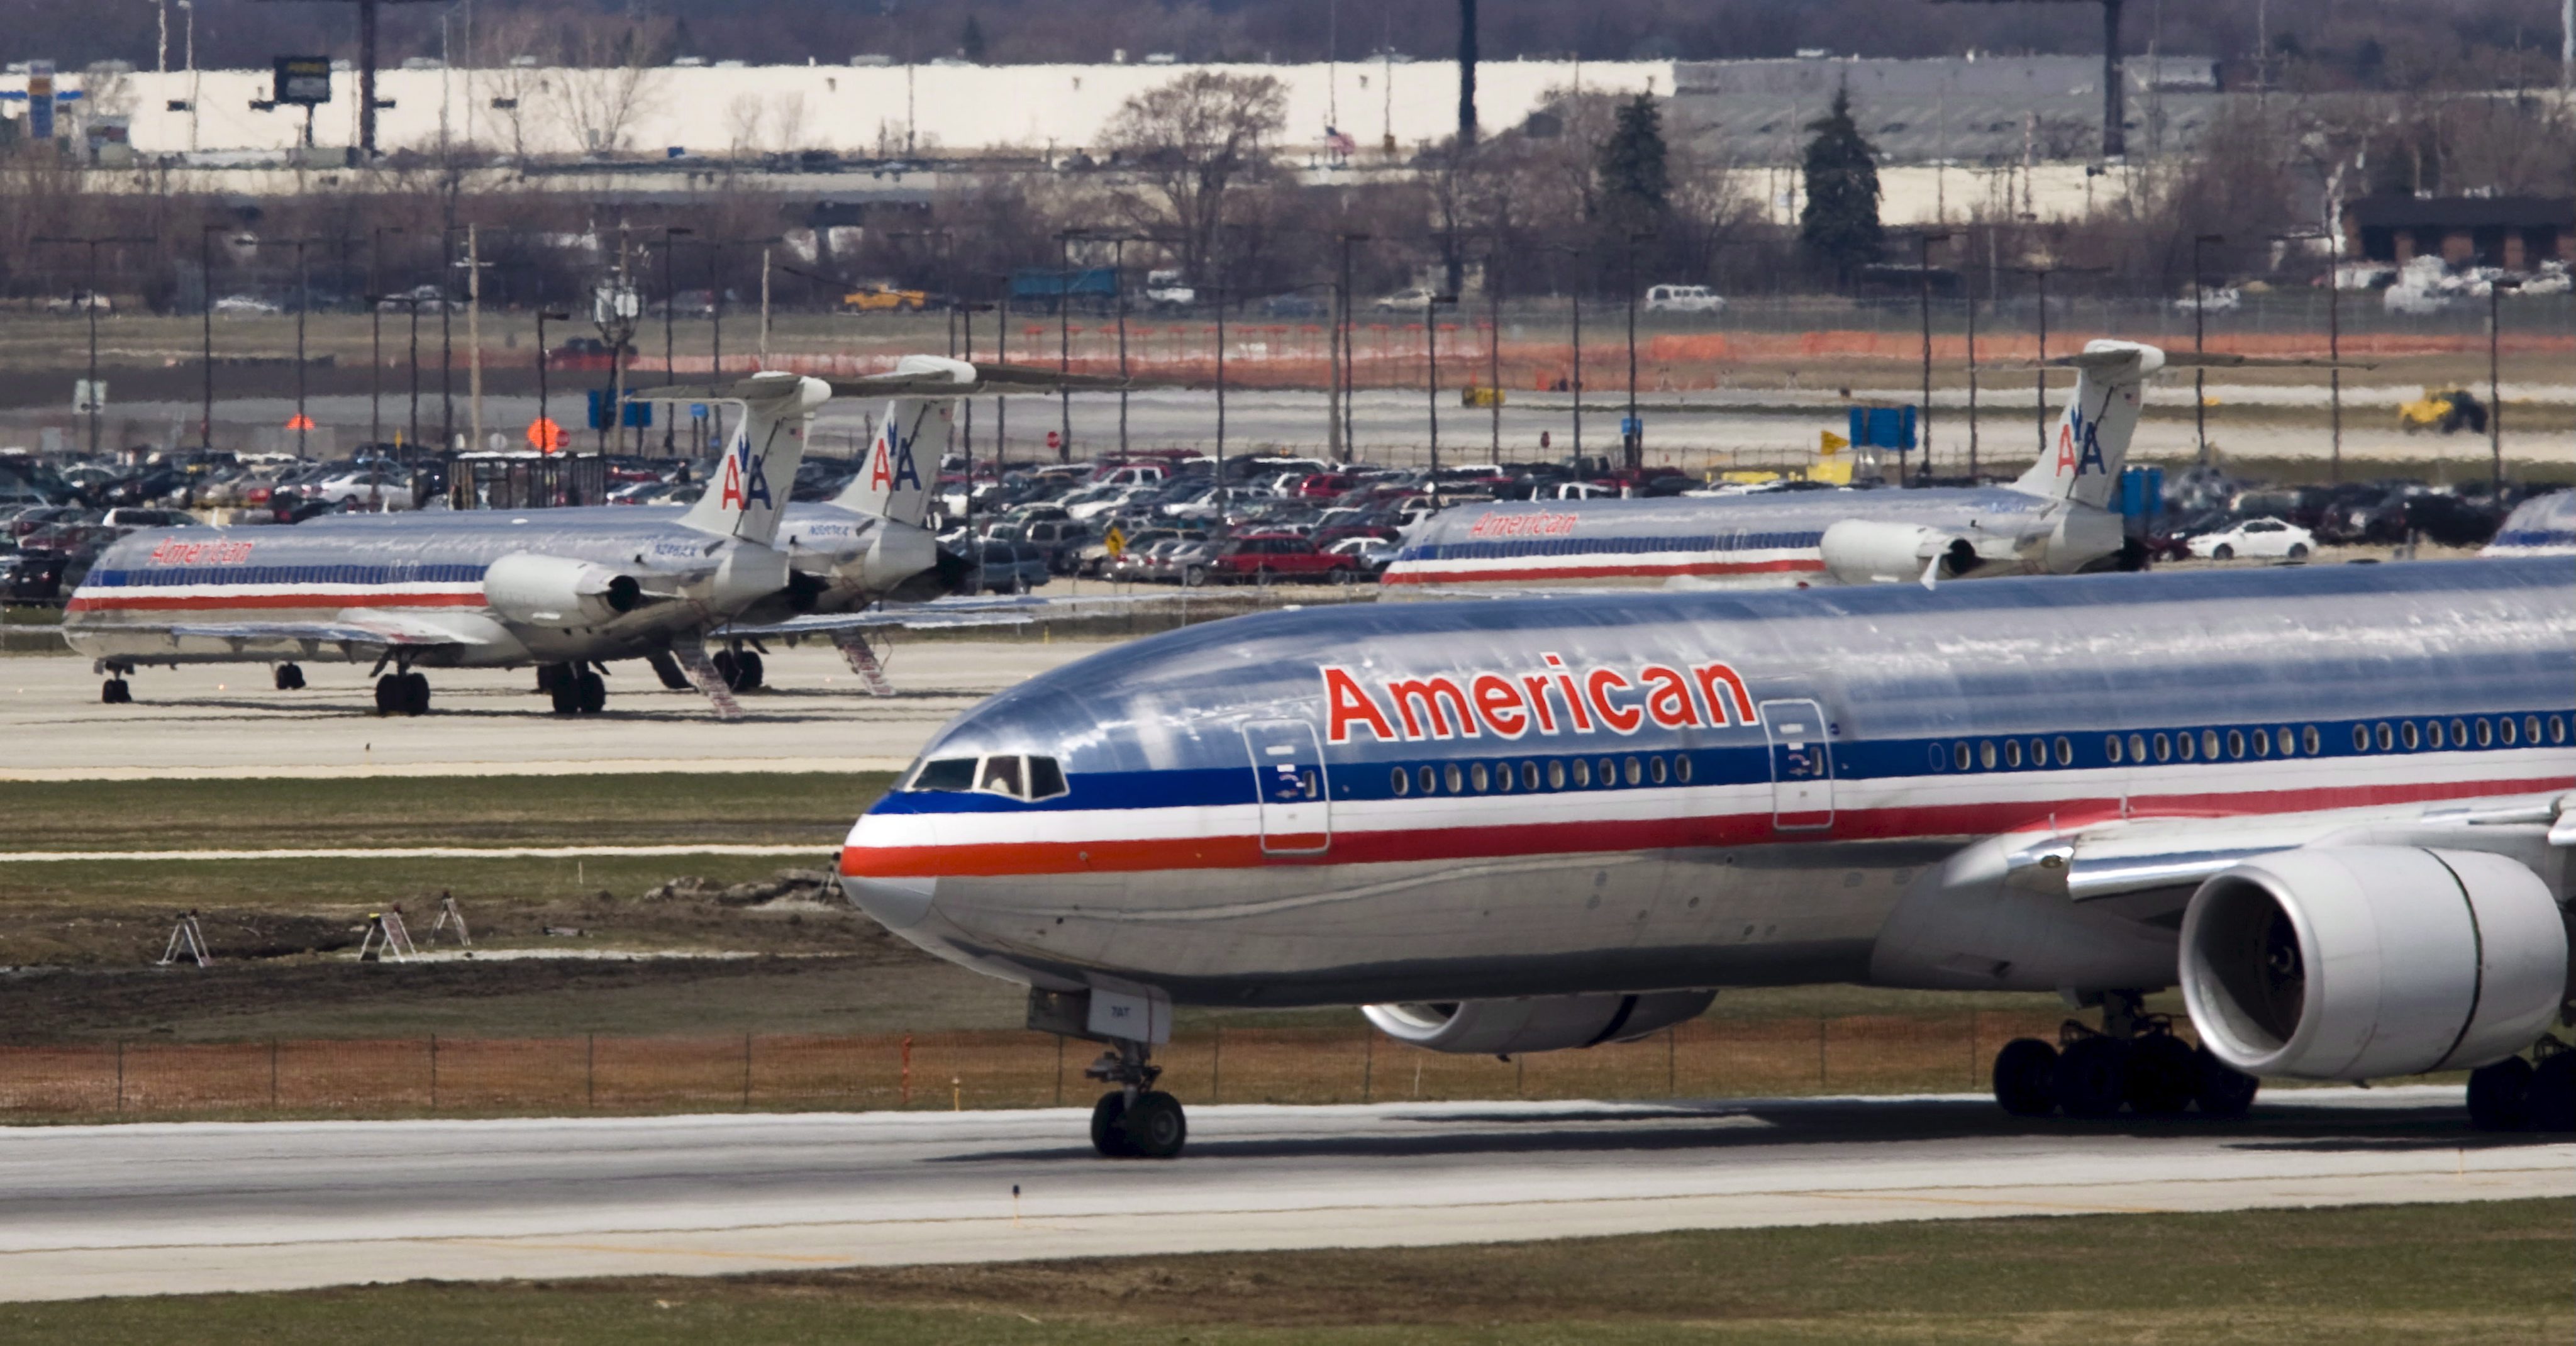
[1338, 142]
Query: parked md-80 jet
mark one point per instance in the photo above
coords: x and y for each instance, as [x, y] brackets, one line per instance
[2336, 805]
[2059, 518]
[567, 590]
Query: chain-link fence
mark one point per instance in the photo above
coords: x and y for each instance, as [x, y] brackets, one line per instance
[571, 1075]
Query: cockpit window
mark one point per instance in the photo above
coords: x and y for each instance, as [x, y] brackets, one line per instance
[1010, 774]
[1001, 776]
[945, 773]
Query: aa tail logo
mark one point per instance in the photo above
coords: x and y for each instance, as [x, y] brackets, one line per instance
[742, 482]
[2076, 431]
[891, 466]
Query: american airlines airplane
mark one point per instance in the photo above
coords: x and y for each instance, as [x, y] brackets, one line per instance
[567, 590]
[2544, 525]
[2058, 519]
[2337, 805]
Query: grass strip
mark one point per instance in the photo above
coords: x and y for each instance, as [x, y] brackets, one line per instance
[2492, 1272]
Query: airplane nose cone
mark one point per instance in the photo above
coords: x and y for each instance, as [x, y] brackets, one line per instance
[897, 901]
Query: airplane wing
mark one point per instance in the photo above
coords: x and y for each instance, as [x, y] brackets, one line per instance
[351, 628]
[2137, 856]
[948, 613]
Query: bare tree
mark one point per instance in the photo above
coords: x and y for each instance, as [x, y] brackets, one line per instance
[1189, 144]
[609, 72]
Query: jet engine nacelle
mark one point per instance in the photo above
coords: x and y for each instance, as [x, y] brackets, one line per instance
[2359, 962]
[1864, 551]
[536, 590]
[1535, 1023]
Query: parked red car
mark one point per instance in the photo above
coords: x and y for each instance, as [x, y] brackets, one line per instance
[1262, 556]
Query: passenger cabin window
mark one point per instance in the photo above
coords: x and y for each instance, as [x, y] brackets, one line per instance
[1009, 774]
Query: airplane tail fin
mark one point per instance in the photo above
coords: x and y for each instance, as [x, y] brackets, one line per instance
[748, 489]
[900, 473]
[896, 478]
[2084, 457]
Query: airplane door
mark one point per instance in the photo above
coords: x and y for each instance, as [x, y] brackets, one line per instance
[1802, 766]
[1288, 774]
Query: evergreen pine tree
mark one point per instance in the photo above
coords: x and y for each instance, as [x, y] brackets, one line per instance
[1839, 224]
[1636, 187]
[970, 43]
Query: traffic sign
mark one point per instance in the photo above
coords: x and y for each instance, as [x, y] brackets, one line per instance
[88, 396]
[1054, 440]
[1116, 541]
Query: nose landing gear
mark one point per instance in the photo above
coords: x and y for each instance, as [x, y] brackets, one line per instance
[290, 677]
[115, 690]
[1135, 1120]
[2133, 1061]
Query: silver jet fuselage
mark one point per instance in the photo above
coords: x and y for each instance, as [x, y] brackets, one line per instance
[1625, 793]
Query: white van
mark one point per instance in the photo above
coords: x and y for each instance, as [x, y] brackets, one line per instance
[1682, 299]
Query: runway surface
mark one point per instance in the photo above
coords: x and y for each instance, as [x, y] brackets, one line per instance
[227, 721]
[250, 1206]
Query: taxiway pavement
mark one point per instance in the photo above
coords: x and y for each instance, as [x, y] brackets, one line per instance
[202, 720]
[170, 1208]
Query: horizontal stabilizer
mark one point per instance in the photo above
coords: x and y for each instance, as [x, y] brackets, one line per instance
[761, 387]
[2115, 359]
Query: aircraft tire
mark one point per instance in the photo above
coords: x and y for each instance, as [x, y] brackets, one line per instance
[2225, 1092]
[1156, 1126]
[729, 669]
[590, 693]
[115, 692]
[668, 670]
[2164, 1075]
[2499, 1094]
[412, 693]
[2092, 1077]
[749, 667]
[566, 697]
[387, 699]
[290, 677]
[2025, 1083]
[1108, 1136]
[2549, 1104]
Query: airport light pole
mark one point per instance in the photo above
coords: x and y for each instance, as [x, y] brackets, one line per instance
[206, 268]
[376, 332]
[670, 306]
[1349, 371]
[303, 301]
[2495, 386]
[2334, 343]
[1064, 340]
[1923, 416]
[89, 301]
[1431, 379]
[1632, 432]
[2199, 337]
[545, 420]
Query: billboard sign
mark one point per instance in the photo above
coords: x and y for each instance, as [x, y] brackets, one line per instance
[304, 81]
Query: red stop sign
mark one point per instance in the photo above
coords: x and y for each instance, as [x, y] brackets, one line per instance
[1054, 440]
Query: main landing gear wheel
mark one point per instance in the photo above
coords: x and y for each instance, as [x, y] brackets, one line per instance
[1108, 1132]
[1134, 1120]
[2164, 1075]
[2135, 1061]
[2025, 1078]
[2092, 1077]
[590, 693]
[2550, 1103]
[290, 677]
[2225, 1092]
[402, 694]
[115, 692]
[2498, 1094]
[749, 673]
